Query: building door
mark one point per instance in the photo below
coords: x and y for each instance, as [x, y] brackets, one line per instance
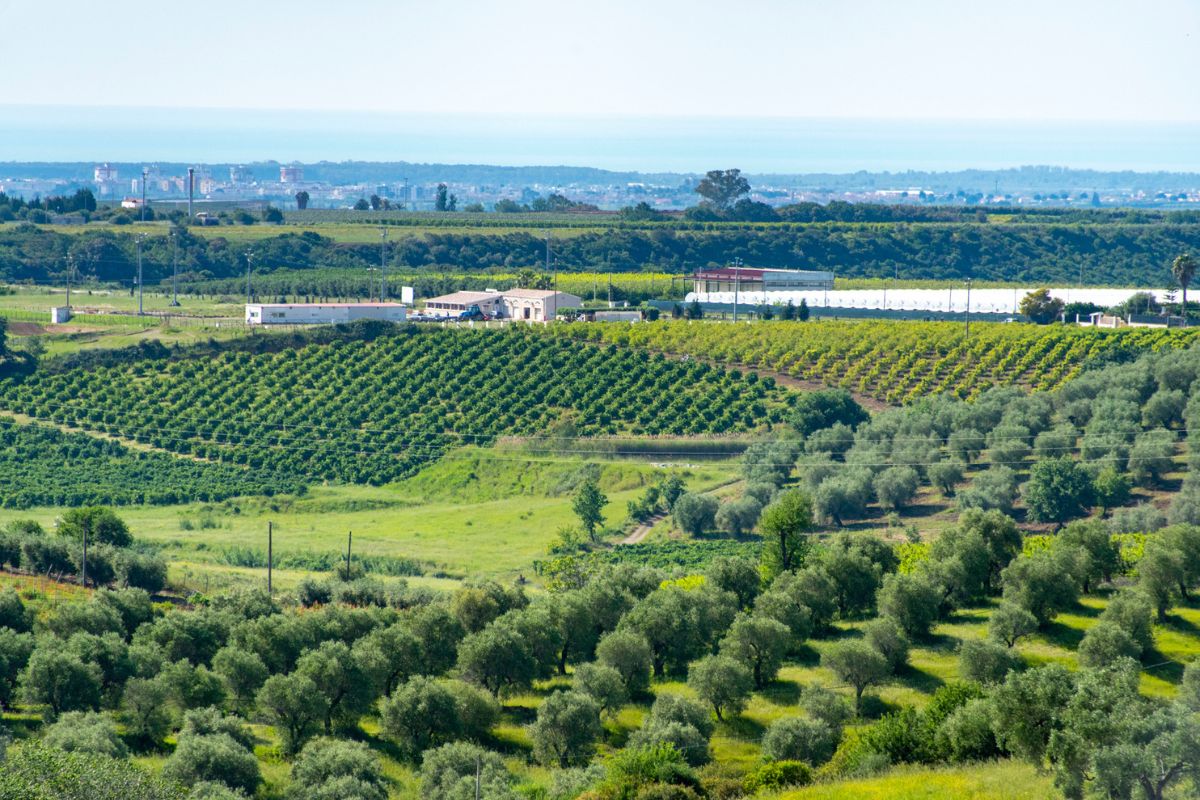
[526, 312]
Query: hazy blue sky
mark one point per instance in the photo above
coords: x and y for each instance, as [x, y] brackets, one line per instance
[949, 59]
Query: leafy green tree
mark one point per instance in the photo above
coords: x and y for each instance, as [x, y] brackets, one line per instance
[627, 652]
[1009, 623]
[100, 525]
[986, 662]
[332, 769]
[758, 642]
[602, 683]
[946, 476]
[911, 599]
[32, 766]
[886, 636]
[346, 686]
[814, 411]
[211, 722]
[723, 682]
[1058, 490]
[295, 706]
[1160, 572]
[721, 188]
[1036, 584]
[738, 516]
[497, 658]
[566, 729]
[895, 487]
[244, 674]
[800, 739]
[994, 489]
[421, 713]
[966, 734]
[785, 607]
[452, 771]
[1040, 307]
[856, 663]
[812, 588]
[1131, 611]
[589, 506]
[88, 732]
[145, 712]
[13, 613]
[784, 526]
[843, 497]
[737, 575]
[15, 649]
[1151, 457]
[1028, 708]
[1104, 643]
[216, 758]
[694, 513]
[301, 199]
[678, 721]
[60, 680]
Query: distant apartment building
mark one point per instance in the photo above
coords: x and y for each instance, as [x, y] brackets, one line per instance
[291, 174]
[745, 279]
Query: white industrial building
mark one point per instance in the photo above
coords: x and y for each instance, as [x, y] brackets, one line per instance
[533, 305]
[322, 313]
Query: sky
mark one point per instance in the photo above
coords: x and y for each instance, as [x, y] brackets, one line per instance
[1133, 61]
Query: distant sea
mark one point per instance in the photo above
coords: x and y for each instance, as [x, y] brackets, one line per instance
[768, 145]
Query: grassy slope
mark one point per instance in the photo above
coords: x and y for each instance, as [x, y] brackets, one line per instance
[460, 525]
[1003, 780]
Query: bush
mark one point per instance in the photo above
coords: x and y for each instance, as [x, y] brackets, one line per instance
[13, 613]
[87, 732]
[799, 739]
[738, 516]
[986, 662]
[217, 758]
[813, 411]
[778, 775]
[628, 653]
[449, 772]
[911, 599]
[722, 682]
[100, 525]
[34, 771]
[566, 729]
[1132, 612]
[946, 475]
[333, 769]
[1104, 643]
[603, 684]
[966, 734]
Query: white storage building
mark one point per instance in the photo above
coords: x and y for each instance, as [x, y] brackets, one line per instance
[322, 313]
[533, 305]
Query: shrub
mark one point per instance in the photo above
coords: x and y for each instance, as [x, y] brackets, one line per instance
[331, 769]
[986, 662]
[911, 599]
[738, 516]
[799, 739]
[778, 775]
[450, 772]
[1104, 643]
[887, 638]
[86, 732]
[603, 684]
[723, 682]
[895, 487]
[566, 729]
[628, 653]
[215, 758]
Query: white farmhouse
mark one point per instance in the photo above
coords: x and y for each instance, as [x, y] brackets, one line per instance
[321, 313]
[532, 305]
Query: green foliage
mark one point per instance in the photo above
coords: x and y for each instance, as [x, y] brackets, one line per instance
[566, 729]
[589, 505]
[695, 513]
[35, 771]
[331, 769]
[295, 706]
[97, 524]
[911, 600]
[1058, 490]
[217, 758]
[784, 525]
[602, 683]
[778, 775]
[450, 772]
[86, 732]
[986, 662]
[800, 739]
[629, 654]
[814, 411]
[60, 680]
[759, 643]
[858, 664]
[722, 682]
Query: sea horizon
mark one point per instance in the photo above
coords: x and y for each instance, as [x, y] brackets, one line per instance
[633, 144]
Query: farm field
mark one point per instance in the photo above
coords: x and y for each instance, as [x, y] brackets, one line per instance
[475, 514]
[897, 362]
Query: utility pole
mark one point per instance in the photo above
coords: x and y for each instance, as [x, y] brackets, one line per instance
[349, 542]
[477, 771]
[249, 256]
[70, 269]
[139, 265]
[737, 285]
[83, 569]
[143, 209]
[382, 265]
[270, 554]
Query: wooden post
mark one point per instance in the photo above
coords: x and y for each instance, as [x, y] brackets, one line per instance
[349, 542]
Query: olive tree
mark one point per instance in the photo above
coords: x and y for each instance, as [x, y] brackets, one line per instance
[722, 682]
[856, 663]
[566, 729]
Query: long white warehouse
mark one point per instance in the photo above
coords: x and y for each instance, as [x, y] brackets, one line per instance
[322, 313]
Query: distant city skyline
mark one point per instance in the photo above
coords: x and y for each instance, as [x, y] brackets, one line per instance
[872, 59]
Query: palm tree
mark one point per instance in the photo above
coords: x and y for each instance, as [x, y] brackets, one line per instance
[1184, 269]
